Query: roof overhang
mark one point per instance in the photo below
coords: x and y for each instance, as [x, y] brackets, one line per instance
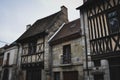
[90, 3]
[28, 39]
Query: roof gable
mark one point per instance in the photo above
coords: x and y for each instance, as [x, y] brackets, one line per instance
[39, 26]
[67, 30]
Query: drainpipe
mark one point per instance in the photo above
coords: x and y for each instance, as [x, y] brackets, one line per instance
[18, 62]
[50, 62]
[86, 47]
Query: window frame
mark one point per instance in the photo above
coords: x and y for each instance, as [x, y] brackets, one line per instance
[117, 16]
[67, 54]
[32, 47]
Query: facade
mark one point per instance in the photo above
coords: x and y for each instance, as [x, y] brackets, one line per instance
[34, 48]
[101, 18]
[67, 51]
[1, 59]
[9, 67]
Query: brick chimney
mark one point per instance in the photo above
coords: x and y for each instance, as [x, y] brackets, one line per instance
[64, 10]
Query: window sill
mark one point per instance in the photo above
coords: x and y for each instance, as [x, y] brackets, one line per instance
[68, 65]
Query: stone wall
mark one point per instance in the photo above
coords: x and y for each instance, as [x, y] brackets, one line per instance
[76, 58]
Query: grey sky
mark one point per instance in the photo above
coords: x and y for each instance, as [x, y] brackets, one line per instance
[16, 14]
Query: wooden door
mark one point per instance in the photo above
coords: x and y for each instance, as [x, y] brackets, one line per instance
[114, 65]
[70, 75]
[33, 74]
[98, 77]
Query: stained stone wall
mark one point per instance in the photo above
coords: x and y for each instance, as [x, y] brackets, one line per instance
[76, 58]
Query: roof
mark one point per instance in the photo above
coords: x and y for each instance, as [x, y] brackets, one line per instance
[90, 3]
[2, 50]
[68, 30]
[11, 45]
[39, 26]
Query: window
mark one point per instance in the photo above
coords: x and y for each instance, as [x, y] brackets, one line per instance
[97, 63]
[113, 21]
[8, 56]
[66, 54]
[1, 61]
[32, 47]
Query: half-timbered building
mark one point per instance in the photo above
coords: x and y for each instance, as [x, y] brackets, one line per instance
[34, 48]
[101, 20]
[67, 51]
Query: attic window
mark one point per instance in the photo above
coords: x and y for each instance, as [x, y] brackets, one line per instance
[73, 25]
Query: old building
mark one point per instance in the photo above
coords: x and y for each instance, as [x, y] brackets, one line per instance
[101, 18]
[2, 50]
[66, 59]
[9, 67]
[34, 48]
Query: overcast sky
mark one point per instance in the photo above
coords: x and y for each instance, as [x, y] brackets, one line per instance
[16, 14]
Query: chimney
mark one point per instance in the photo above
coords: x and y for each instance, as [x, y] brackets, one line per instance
[28, 26]
[84, 1]
[64, 10]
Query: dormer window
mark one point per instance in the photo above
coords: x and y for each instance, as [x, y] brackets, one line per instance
[113, 21]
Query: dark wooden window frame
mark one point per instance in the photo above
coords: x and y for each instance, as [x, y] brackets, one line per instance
[66, 54]
[117, 16]
[32, 46]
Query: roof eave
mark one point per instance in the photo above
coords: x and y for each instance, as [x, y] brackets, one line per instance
[27, 38]
[89, 2]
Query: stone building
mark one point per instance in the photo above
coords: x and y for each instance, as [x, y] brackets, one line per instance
[101, 19]
[2, 50]
[67, 49]
[34, 48]
[9, 66]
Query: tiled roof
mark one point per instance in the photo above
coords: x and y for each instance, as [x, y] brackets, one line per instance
[68, 30]
[39, 26]
[90, 3]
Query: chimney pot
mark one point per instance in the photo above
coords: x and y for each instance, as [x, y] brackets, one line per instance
[28, 26]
